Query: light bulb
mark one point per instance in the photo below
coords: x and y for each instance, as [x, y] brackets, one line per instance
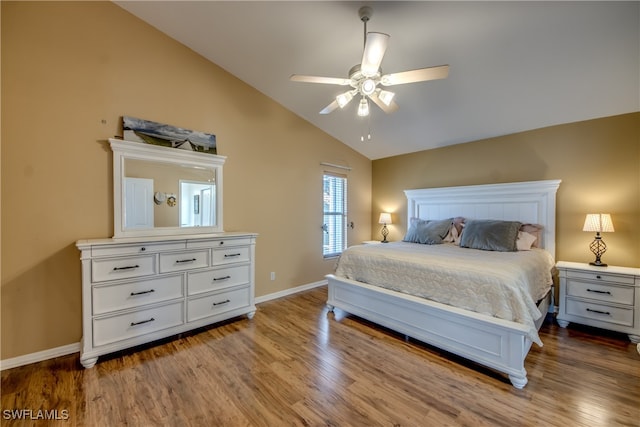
[344, 98]
[363, 107]
[367, 87]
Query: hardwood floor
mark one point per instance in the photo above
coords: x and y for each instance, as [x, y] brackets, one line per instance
[295, 364]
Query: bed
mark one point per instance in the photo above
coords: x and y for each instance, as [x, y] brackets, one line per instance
[498, 343]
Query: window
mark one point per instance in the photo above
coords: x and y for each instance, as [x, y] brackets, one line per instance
[334, 224]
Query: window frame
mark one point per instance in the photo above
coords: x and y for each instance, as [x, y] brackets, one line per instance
[334, 233]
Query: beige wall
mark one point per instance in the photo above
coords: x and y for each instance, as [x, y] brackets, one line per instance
[70, 70]
[598, 162]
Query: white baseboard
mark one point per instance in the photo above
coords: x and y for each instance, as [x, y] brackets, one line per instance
[290, 291]
[64, 350]
[39, 356]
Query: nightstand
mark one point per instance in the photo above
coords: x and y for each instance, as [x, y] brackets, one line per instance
[604, 297]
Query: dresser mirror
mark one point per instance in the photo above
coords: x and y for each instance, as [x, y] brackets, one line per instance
[160, 191]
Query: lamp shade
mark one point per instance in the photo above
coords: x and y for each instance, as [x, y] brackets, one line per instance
[385, 218]
[599, 223]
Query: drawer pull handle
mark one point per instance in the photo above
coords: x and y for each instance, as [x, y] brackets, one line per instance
[222, 302]
[599, 312]
[221, 278]
[142, 249]
[598, 291]
[142, 322]
[129, 267]
[185, 260]
[598, 277]
[231, 255]
[142, 292]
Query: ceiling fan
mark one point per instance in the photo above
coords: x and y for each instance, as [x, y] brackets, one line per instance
[366, 77]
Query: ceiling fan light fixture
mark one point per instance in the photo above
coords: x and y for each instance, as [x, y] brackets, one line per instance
[368, 86]
[363, 107]
[386, 97]
[344, 98]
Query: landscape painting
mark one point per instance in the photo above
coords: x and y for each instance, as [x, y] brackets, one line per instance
[155, 133]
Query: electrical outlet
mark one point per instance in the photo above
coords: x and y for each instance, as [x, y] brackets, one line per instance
[273, 275]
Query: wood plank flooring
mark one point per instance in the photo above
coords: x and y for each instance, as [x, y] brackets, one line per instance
[295, 364]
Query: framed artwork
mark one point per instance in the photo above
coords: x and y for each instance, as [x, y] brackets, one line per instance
[147, 131]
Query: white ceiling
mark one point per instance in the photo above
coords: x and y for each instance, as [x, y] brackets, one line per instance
[515, 66]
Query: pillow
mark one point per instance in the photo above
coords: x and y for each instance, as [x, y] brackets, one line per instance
[427, 232]
[525, 241]
[535, 230]
[490, 235]
[453, 236]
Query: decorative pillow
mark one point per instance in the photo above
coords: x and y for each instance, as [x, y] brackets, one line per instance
[535, 230]
[453, 236]
[525, 241]
[427, 232]
[490, 235]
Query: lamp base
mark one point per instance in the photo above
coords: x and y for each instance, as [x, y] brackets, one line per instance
[598, 264]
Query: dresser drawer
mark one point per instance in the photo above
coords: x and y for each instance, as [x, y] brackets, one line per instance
[218, 243]
[122, 268]
[134, 249]
[600, 277]
[199, 308]
[229, 255]
[108, 298]
[600, 312]
[601, 291]
[179, 261]
[107, 330]
[205, 281]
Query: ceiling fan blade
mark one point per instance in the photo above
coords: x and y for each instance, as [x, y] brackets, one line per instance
[374, 49]
[329, 108]
[419, 75]
[392, 107]
[318, 79]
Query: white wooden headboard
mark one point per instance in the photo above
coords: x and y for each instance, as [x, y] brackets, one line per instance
[531, 202]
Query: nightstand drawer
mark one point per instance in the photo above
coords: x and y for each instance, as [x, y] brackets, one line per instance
[600, 312]
[601, 292]
[600, 277]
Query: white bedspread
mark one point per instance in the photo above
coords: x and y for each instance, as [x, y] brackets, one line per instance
[500, 284]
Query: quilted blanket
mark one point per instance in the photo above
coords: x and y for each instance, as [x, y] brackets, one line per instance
[505, 285]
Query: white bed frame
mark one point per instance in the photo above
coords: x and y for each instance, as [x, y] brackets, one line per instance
[489, 341]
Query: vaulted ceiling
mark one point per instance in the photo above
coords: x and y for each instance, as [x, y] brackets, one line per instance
[514, 66]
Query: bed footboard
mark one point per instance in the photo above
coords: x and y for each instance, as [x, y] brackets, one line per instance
[498, 344]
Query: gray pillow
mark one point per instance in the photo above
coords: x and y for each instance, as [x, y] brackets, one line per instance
[490, 235]
[427, 232]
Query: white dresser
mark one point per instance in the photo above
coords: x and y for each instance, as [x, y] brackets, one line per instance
[137, 290]
[604, 297]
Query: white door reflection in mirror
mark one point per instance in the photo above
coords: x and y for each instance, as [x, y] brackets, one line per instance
[195, 204]
[139, 202]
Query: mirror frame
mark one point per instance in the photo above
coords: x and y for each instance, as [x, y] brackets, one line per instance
[123, 150]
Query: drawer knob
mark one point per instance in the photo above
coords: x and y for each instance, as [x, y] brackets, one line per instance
[222, 302]
[598, 277]
[142, 322]
[597, 291]
[142, 249]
